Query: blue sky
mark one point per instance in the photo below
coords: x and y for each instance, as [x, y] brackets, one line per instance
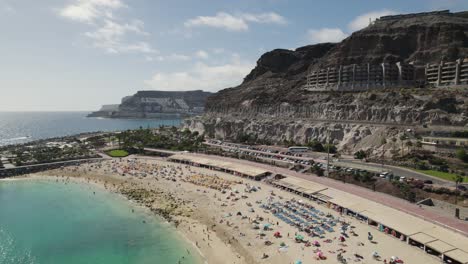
[80, 54]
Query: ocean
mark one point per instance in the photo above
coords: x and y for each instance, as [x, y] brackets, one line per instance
[22, 127]
[45, 222]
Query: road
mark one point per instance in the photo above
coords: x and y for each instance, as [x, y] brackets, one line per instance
[258, 151]
[398, 171]
[346, 162]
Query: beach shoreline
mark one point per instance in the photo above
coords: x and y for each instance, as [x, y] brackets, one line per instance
[44, 176]
[208, 219]
[183, 226]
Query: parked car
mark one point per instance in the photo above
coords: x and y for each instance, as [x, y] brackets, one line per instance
[383, 174]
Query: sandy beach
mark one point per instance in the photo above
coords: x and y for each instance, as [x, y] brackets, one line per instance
[230, 219]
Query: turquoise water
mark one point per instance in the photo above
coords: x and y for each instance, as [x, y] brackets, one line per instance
[47, 222]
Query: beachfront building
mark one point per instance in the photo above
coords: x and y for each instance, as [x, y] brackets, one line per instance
[361, 77]
[446, 244]
[236, 169]
[447, 74]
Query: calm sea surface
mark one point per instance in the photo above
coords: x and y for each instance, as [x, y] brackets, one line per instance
[44, 222]
[21, 127]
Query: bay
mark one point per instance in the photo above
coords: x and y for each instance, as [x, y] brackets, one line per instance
[48, 222]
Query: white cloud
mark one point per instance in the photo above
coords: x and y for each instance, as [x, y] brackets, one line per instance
[362, 21]
[90, 10]
[238, 22]
[221, 20]
[109, 32]
[111, 37]
[337, 34]
[178, 57]
[202, 54]
[174, 57]
[218, 50]
[326, 35]
[202, 76]
[265, 18]
[137, 47]
[7, 9]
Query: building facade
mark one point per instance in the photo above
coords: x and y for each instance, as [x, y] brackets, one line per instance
[361, 77]
[446, 74]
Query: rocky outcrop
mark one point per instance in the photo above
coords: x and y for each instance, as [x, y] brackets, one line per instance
[418, 39]
[347, 136]
[156, 104]
[285, 63]
[417, 107]
[273, 104]
[354, 120]
[280, 74]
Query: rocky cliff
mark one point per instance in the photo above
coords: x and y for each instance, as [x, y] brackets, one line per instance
[273, 104]
[156, 104]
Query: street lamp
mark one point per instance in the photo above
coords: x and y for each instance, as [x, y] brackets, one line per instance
[328, 151]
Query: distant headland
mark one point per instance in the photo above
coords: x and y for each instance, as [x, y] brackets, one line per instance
[156, 104]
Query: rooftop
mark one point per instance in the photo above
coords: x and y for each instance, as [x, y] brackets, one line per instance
[240, 168]
[435, 236]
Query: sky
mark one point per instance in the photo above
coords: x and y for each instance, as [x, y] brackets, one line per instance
[76, 55]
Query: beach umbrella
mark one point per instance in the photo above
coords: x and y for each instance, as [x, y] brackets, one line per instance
[298, 262]
[299, 237]
[267, 225]
[282, 244]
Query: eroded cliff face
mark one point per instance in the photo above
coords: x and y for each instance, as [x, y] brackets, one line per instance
[355, 120]
[347, 136]
[156, 104]
[273, 104]
[418, 40]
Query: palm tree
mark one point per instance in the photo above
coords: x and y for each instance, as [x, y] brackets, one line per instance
[383, 141]
[394, 140]
[409, 144]
[419, 144]
[457, 179]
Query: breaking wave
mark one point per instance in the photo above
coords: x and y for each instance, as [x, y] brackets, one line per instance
[15, 139]
[10, 254]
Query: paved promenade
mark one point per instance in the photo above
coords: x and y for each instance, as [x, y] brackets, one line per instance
[385, 199]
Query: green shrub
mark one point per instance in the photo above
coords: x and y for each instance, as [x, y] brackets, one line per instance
[361, 154]
[118, 153]
[315, 146]
[462, 155]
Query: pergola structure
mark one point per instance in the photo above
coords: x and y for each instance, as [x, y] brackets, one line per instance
[250, 172]
[434, 239]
